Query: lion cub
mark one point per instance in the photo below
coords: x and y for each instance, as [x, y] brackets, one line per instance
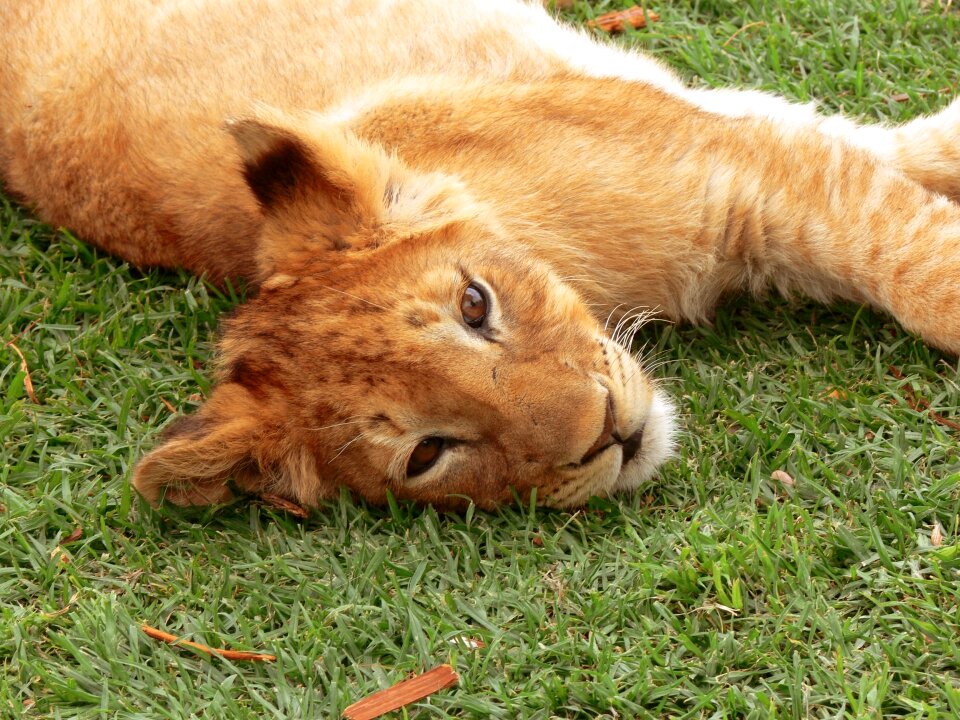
[440, 217]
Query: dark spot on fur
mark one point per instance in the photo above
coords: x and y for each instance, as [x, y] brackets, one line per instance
[494, 374]
[362, 308]
[273, 336]
[415, 320]
[252, 374]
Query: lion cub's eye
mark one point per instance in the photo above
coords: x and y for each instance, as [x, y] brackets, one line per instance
[424, 455]
[473, 305]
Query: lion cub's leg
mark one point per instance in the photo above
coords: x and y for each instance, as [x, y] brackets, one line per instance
[926, 149]
[800, 210]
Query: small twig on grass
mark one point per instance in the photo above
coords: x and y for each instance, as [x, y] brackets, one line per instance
[168, 405]
[228, 654]
[920, 404]
[403, 693]
[280, 503]
[27, 381]
[613, 22]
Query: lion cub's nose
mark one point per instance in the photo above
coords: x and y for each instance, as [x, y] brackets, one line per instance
[606, 435]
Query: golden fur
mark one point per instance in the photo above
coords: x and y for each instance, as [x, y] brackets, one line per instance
[364, 163]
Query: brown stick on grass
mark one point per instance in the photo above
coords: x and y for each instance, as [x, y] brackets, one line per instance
[228, 654]
[403, 693]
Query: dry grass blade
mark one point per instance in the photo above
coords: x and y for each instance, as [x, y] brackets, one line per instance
[27, 381]
[403, 693]
[228, 654]
[613, 22]
[758, 23]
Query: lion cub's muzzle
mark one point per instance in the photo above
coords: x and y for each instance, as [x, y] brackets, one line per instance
[635, 437]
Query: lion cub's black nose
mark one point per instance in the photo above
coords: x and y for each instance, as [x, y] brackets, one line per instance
[632, 445]
[606, 438]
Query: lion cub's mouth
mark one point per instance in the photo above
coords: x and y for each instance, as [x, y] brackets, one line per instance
[630, 447]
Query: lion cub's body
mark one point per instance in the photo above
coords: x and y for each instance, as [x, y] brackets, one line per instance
[407, 118]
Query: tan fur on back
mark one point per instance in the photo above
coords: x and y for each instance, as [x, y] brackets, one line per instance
[369, 164]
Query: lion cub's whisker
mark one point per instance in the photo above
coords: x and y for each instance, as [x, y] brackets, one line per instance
[360, 421]
[343, 447]
[355, 297]
[606, 324]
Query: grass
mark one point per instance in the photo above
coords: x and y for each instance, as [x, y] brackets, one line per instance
[717, 592]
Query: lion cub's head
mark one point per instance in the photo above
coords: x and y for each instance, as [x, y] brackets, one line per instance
[400, 342]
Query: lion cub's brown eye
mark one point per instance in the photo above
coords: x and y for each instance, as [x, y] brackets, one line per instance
[473, 305]
[424, 455]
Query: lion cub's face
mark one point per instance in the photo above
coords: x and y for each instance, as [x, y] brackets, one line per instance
[399, 343]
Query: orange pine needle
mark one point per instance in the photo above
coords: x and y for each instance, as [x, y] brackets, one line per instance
[403, 693]
[611, 22]
[228, 654]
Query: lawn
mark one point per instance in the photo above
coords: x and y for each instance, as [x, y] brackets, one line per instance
[717, 591]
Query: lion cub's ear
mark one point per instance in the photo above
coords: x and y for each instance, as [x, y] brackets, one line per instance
[322, 187]
[230, 440]
[322, 169]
